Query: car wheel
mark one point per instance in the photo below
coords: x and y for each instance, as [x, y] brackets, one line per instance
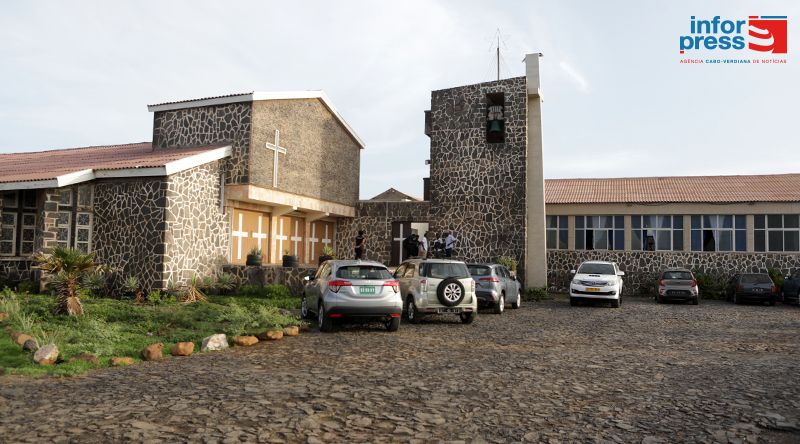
[696, 300]
[304, 312]
[450, 292]
[573, 302]
[467, 318]
[325, 322]
[501, 304]
[412, 314]
[517, 304]
[393, 324]
[616, 303]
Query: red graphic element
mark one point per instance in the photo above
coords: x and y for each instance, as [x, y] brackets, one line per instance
[681, 51]
[768, 36]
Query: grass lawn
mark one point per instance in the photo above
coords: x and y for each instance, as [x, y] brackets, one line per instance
[112, 327]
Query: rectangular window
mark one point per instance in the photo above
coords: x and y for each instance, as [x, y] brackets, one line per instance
[777, 232]
[599, 232]
[9, 199]
[28, 234]
[557, 232]
[65, 197]
[63, 224]
[8, 233]
[716, 232]
[83, 232]
[657, 233]
[85, 196]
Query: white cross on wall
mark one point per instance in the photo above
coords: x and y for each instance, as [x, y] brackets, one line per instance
[259, 235]
[296, 238]
[313, 239]
[280, 238]
[239, 235]
[400, 239]
[276, 148]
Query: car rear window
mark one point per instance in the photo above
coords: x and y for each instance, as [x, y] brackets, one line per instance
[596, 269]
[363, 272]
[479, 270]
[445, 270]
[756, 279]
[678, 275]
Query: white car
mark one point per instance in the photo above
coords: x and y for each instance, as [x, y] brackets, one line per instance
[596, 280]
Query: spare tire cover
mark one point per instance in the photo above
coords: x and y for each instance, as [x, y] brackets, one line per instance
[450, 292]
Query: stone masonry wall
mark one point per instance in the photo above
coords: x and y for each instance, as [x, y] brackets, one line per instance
[376, 218]
[318, 150]
[477, 189]
[196, 231]
[292, 277]
[643, 267]
[129, 228]
[209, 125]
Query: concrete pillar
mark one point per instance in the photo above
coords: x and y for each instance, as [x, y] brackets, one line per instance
[628, 233]
[535, 235]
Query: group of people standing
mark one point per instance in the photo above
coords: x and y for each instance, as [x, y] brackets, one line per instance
[414, 246]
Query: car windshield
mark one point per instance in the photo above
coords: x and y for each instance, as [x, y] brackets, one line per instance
[445, 270]
[363, 272]
[479, 270]
[756, 279]
[677, 275]
[596, 269]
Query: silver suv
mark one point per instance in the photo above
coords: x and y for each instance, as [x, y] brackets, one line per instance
[495, 286]
[344, 289]
[437, 286]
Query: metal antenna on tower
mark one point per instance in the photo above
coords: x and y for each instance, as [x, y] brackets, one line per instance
[498, 53]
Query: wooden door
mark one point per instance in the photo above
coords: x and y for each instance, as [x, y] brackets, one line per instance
[249, 229]
[400, 231]
[320, 236]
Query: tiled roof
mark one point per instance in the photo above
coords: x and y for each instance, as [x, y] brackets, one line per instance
[224, 96]
[761, 188]
[49, 165]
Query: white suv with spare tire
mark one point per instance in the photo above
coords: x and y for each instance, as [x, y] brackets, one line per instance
[436, 286]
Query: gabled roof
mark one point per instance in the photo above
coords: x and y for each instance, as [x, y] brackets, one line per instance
[255, 96]
[58, 168]
[392, 195]
[680, 189]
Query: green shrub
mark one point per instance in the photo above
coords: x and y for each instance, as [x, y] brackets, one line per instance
[28, 287]
[130, 286]
[508, 262]
[269, 291]
[226, 282]
[239, 320]
[776, 276]
[154, 297]
[536, 294]
[207, 285]
[95, 282]
[711, 287]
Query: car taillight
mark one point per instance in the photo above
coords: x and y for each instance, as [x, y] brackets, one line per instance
[490, 280]
[694, 282]
[394, 284]
[335, 286]
[423, 285]
[661, 282]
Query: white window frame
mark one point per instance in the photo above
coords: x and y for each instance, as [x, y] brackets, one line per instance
[733, 230]
[68, 226]
[557, 230]
[87, 227]
[766, 230]
[614, 228]
[27, 227]
[657, 231]
[13, 233]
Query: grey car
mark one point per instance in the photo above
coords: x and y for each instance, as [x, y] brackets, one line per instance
[352, 289]
[495, 286]
[677, 284]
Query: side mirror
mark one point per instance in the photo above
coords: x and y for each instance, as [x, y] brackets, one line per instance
[621, 273]
[572, 272]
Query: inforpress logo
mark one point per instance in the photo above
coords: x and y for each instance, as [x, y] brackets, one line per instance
[766, 33]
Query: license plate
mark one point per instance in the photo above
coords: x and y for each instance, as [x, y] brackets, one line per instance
[592, 290]
[449, 310]
[366, 290]
[758, 290]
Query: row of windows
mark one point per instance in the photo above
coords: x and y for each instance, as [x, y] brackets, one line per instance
[18, 232]
[714, 232]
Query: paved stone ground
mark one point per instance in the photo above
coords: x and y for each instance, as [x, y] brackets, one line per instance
[547, 372]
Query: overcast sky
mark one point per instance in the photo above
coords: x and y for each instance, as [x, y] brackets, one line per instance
[617, 102]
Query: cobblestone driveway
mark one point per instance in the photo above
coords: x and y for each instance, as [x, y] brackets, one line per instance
[546, 372]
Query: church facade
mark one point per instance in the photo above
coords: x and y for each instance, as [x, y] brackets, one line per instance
[221, 177]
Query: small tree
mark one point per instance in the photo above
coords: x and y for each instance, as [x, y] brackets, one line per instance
[68, 267]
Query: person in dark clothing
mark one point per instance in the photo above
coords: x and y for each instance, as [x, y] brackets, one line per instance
[360, 244]
[411, 246]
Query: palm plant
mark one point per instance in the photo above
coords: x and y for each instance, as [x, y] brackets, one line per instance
[68, 266]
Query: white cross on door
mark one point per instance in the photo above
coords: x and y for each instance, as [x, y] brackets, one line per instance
[295, 238]
[326, 240]
[400, 240]
[280, 238]
[276, 149]
[313, 239]
[239, 235]
[258, 236]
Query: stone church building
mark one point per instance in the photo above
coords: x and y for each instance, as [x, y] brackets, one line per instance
[279, 172]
